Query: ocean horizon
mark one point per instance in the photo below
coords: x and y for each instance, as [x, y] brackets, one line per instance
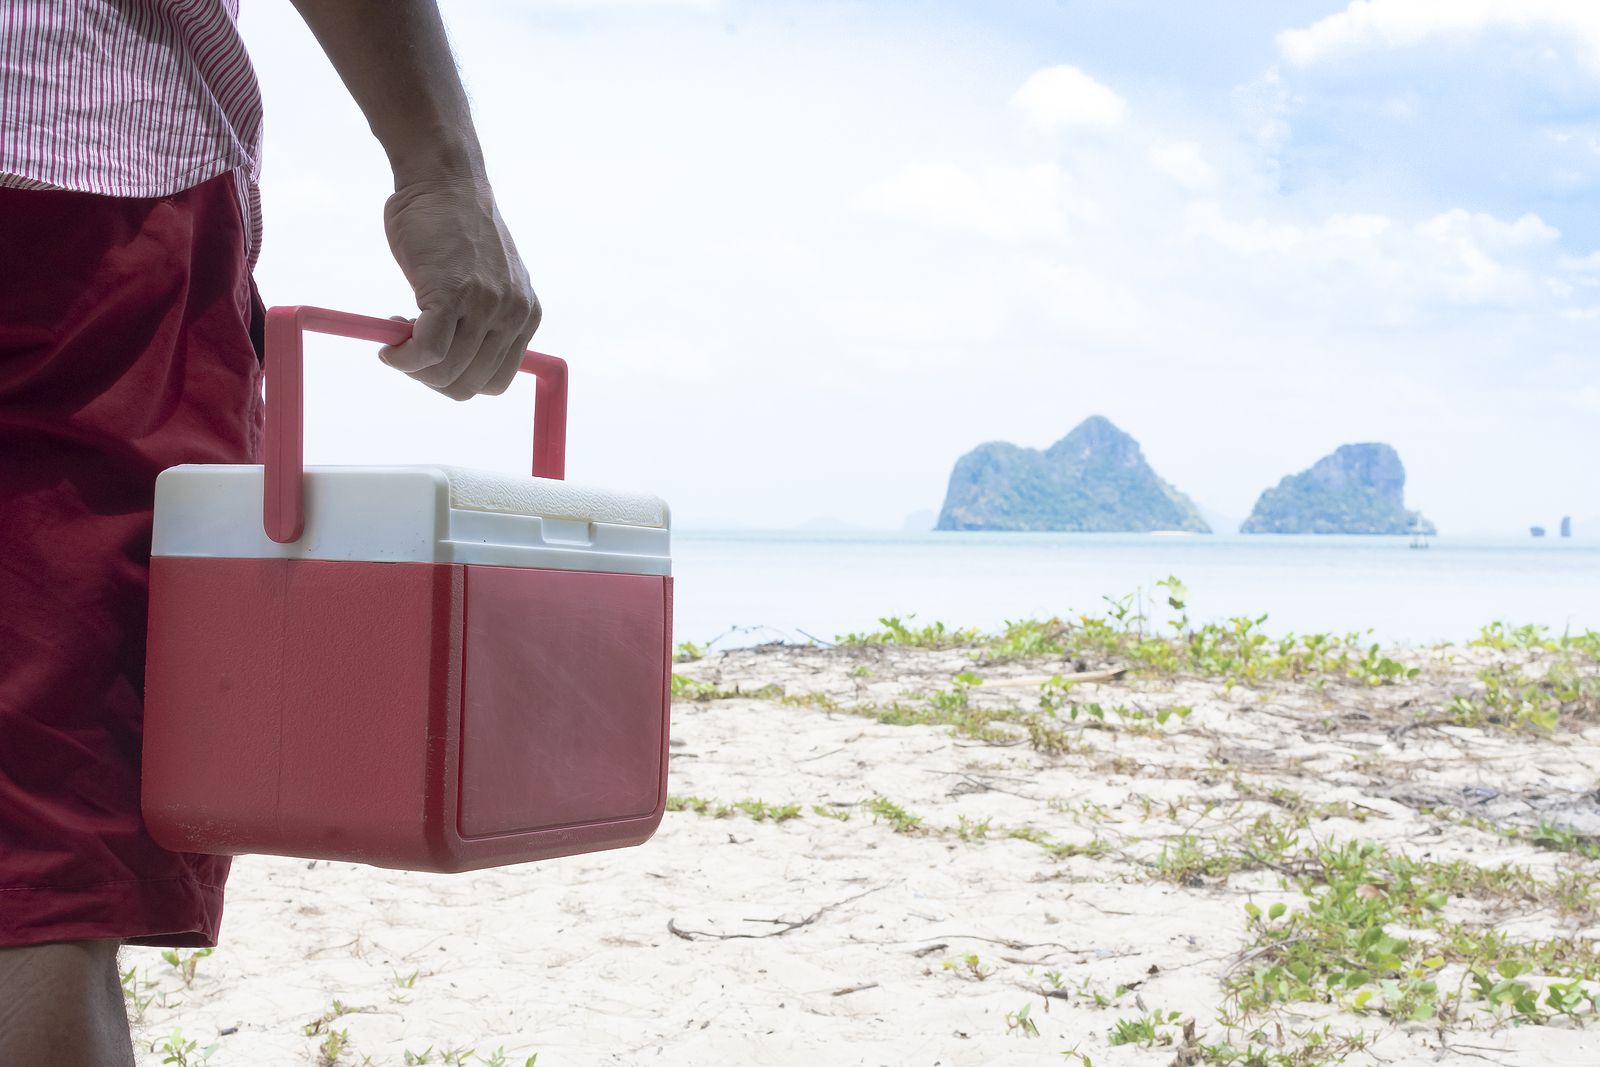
[741, 587]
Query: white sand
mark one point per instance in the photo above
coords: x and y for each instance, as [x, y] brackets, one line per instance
[573, 959]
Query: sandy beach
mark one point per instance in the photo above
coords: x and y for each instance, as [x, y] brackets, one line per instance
[884, 853]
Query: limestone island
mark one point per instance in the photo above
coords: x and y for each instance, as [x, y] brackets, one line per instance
[1094, 480]
[1359, 489]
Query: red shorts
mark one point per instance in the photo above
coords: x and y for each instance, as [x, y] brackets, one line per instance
[125, 348]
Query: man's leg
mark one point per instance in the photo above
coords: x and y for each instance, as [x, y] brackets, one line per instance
[62, 1004]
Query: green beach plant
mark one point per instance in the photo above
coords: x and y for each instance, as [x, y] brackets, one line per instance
[1513, 699]
[903, 822]
[401, 983]
[181, 1051]
[1344, 943]
[759, 810]
[1029, 639]
[497, 1058]
[693, 689]
[332, 1048]
[958, 697]
[898, 632]
[1018, 1022]
[969, 967]
[138, 993]
[1146, 1030]
[972, 829]
[186, 963]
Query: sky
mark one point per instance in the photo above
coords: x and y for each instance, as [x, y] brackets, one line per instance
[801, 255]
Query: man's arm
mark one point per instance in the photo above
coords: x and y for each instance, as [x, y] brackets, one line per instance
[477, 311]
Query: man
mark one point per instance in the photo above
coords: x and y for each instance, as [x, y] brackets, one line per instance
[129, 341]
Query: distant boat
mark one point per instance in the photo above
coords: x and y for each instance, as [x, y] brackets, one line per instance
[1419, 533]
[1537, 531]
[1566, 526]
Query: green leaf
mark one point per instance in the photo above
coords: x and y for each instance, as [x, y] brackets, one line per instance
[1545, 718]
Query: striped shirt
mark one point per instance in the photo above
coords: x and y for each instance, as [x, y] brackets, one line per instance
[131, 98]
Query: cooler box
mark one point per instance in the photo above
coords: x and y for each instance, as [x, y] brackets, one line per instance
[422, 667]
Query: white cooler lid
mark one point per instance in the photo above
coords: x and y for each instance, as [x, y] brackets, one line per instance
[509, 494]
[427, 514]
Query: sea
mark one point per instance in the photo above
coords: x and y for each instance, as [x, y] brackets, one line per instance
[738, 588]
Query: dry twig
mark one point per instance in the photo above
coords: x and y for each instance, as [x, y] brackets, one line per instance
[785, 927]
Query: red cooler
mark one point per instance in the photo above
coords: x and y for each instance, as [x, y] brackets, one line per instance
[427, 668]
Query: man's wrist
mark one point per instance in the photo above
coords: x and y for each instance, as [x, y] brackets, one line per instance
[441, 158]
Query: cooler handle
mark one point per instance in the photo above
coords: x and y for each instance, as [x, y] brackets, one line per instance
[283, 513]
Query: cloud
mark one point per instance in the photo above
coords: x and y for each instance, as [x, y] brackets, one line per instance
[1390, 24]
[1343, 237]
[1588, 266]
[1492, 105]
[1461, 226]
[1456, 257]
[1061, 96]
[1004, 203]
[1184, 162]
[1475, 255]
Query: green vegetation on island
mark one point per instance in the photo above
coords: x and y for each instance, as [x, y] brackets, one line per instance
[1359, 489]
[1093, 480]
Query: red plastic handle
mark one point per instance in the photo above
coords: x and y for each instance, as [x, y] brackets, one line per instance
[283, 512]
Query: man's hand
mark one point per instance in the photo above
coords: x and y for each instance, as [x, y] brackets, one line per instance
[477, 311]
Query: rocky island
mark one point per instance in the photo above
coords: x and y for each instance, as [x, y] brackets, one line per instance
[1359, 489]
[1095, 479]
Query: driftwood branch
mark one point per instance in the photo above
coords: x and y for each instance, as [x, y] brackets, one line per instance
[847, 990]
[785, 926]
[1013, 945]
[1110, 674]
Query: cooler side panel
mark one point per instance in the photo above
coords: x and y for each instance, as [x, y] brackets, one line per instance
[563, 720]
[211, 725]
[370, 683]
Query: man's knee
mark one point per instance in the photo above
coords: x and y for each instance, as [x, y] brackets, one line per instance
[65, 1001]
[81, 966]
